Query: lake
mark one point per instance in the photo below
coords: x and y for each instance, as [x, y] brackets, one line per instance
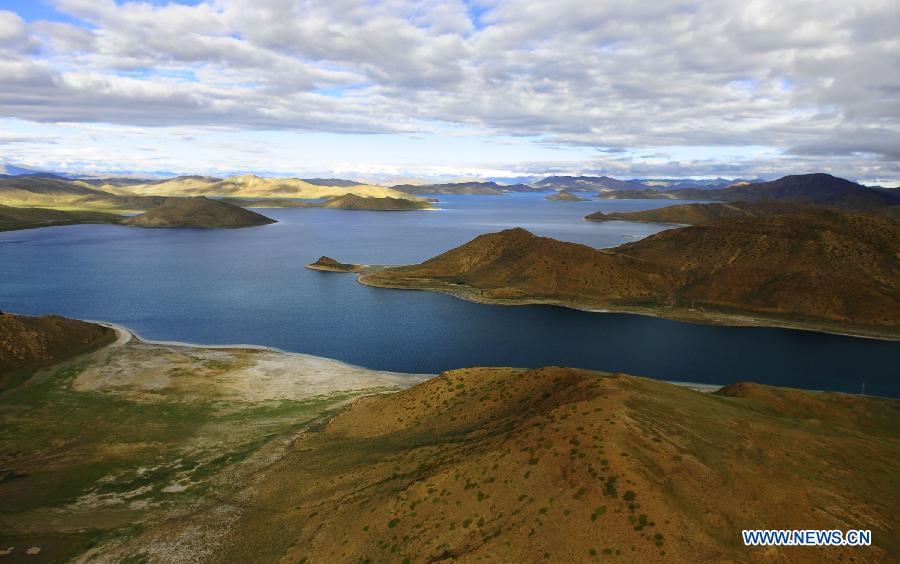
[249, 286]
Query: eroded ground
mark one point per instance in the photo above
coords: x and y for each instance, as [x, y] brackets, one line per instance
[96, 451]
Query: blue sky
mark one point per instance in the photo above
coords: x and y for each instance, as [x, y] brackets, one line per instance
[452, 88]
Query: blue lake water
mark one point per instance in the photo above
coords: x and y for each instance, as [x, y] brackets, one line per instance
[250, 286]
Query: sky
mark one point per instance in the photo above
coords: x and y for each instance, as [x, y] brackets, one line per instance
[446, 89]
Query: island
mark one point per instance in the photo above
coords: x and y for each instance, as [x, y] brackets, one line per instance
[565, 196]
[774, 270]
[198, 212]
[159, 451]
[331, 265]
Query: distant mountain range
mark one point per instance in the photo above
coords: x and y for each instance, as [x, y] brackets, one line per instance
[819, 189]
[469, 188]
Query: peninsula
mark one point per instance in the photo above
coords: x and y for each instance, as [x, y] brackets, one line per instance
[821, 270]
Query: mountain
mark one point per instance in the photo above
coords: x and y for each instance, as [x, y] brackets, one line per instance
[250, 186]
[693, 214]
[587, 183]
[470, 188]
[198, 212]
[29, 343]
[566, 465]
[820, 189]
[819, 269]
[354, 202]
[12, 218]
[38, 191]
[565, 196]
[332, 182]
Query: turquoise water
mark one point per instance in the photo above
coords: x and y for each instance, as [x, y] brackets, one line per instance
[250, 286]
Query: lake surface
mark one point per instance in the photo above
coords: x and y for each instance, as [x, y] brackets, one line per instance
[250, 286]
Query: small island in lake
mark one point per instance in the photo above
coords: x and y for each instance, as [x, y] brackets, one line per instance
[331, 265]
[198, 212]
[565, 196]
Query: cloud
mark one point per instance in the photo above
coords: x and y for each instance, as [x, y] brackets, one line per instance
[810, 80]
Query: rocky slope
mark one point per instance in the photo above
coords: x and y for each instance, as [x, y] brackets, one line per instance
[28, 343]
[823, 267]
[198, 212]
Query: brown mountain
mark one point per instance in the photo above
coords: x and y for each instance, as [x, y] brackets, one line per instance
[29, 218]
[693, 214]
[28, 343]
[198, 212]
[821, 269]
[354, 202]
[567, 465]
[818, 189]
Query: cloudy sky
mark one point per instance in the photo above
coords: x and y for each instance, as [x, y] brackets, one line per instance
[453, 88]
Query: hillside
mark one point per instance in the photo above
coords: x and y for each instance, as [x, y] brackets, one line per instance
[354, 202]
[466, 188]
[29, 343]
[565, 196]
[566, 465]
[36, 191]
[251, 186]
[819, 189]
[823, 270]
[29, 218]
[587, 183]
[198, 212]
[693, 214]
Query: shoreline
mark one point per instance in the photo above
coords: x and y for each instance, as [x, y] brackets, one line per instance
[722, 319]
[126, 335]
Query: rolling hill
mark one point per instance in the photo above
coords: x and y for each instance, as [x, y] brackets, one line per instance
[567, 465]
[354, 202]
[818, 189]
[36, 191]
[693, 214]
[198, 212]
[12, 218]
[251, 186]
[819, 269]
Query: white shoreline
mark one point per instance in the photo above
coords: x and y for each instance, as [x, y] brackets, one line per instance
[126, 334]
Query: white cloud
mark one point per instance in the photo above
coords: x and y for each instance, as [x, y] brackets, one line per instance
[817, 82]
